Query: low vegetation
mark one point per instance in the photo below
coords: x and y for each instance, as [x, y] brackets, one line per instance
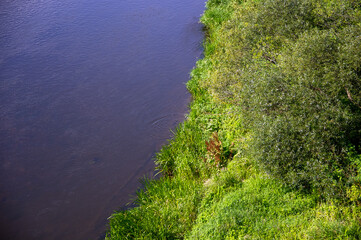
[271, 148]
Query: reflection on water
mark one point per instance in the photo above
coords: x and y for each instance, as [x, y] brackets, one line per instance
[88, 92]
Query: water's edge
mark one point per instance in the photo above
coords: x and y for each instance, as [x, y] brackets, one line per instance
[88, 93]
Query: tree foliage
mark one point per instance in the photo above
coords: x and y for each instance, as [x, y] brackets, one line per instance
[294, 69]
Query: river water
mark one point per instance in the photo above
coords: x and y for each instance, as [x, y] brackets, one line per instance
[89, 90]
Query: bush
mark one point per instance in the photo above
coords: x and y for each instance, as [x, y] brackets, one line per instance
[294, 70]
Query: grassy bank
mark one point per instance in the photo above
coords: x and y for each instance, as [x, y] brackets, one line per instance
[271, 146]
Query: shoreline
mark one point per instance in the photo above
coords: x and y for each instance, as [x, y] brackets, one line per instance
[212, 184]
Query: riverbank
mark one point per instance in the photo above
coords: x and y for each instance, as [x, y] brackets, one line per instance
[251, 161]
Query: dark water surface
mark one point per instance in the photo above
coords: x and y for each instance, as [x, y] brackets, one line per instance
[88, 92]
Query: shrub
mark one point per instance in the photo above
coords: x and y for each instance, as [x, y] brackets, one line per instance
[294, 70]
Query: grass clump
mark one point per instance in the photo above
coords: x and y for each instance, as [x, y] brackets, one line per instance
[271, 148]
[166, 210]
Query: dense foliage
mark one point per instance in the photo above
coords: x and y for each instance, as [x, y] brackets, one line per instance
[294, 70]
[271, 146]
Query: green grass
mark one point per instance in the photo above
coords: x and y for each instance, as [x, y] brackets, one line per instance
[213, 184]
[264, 209]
